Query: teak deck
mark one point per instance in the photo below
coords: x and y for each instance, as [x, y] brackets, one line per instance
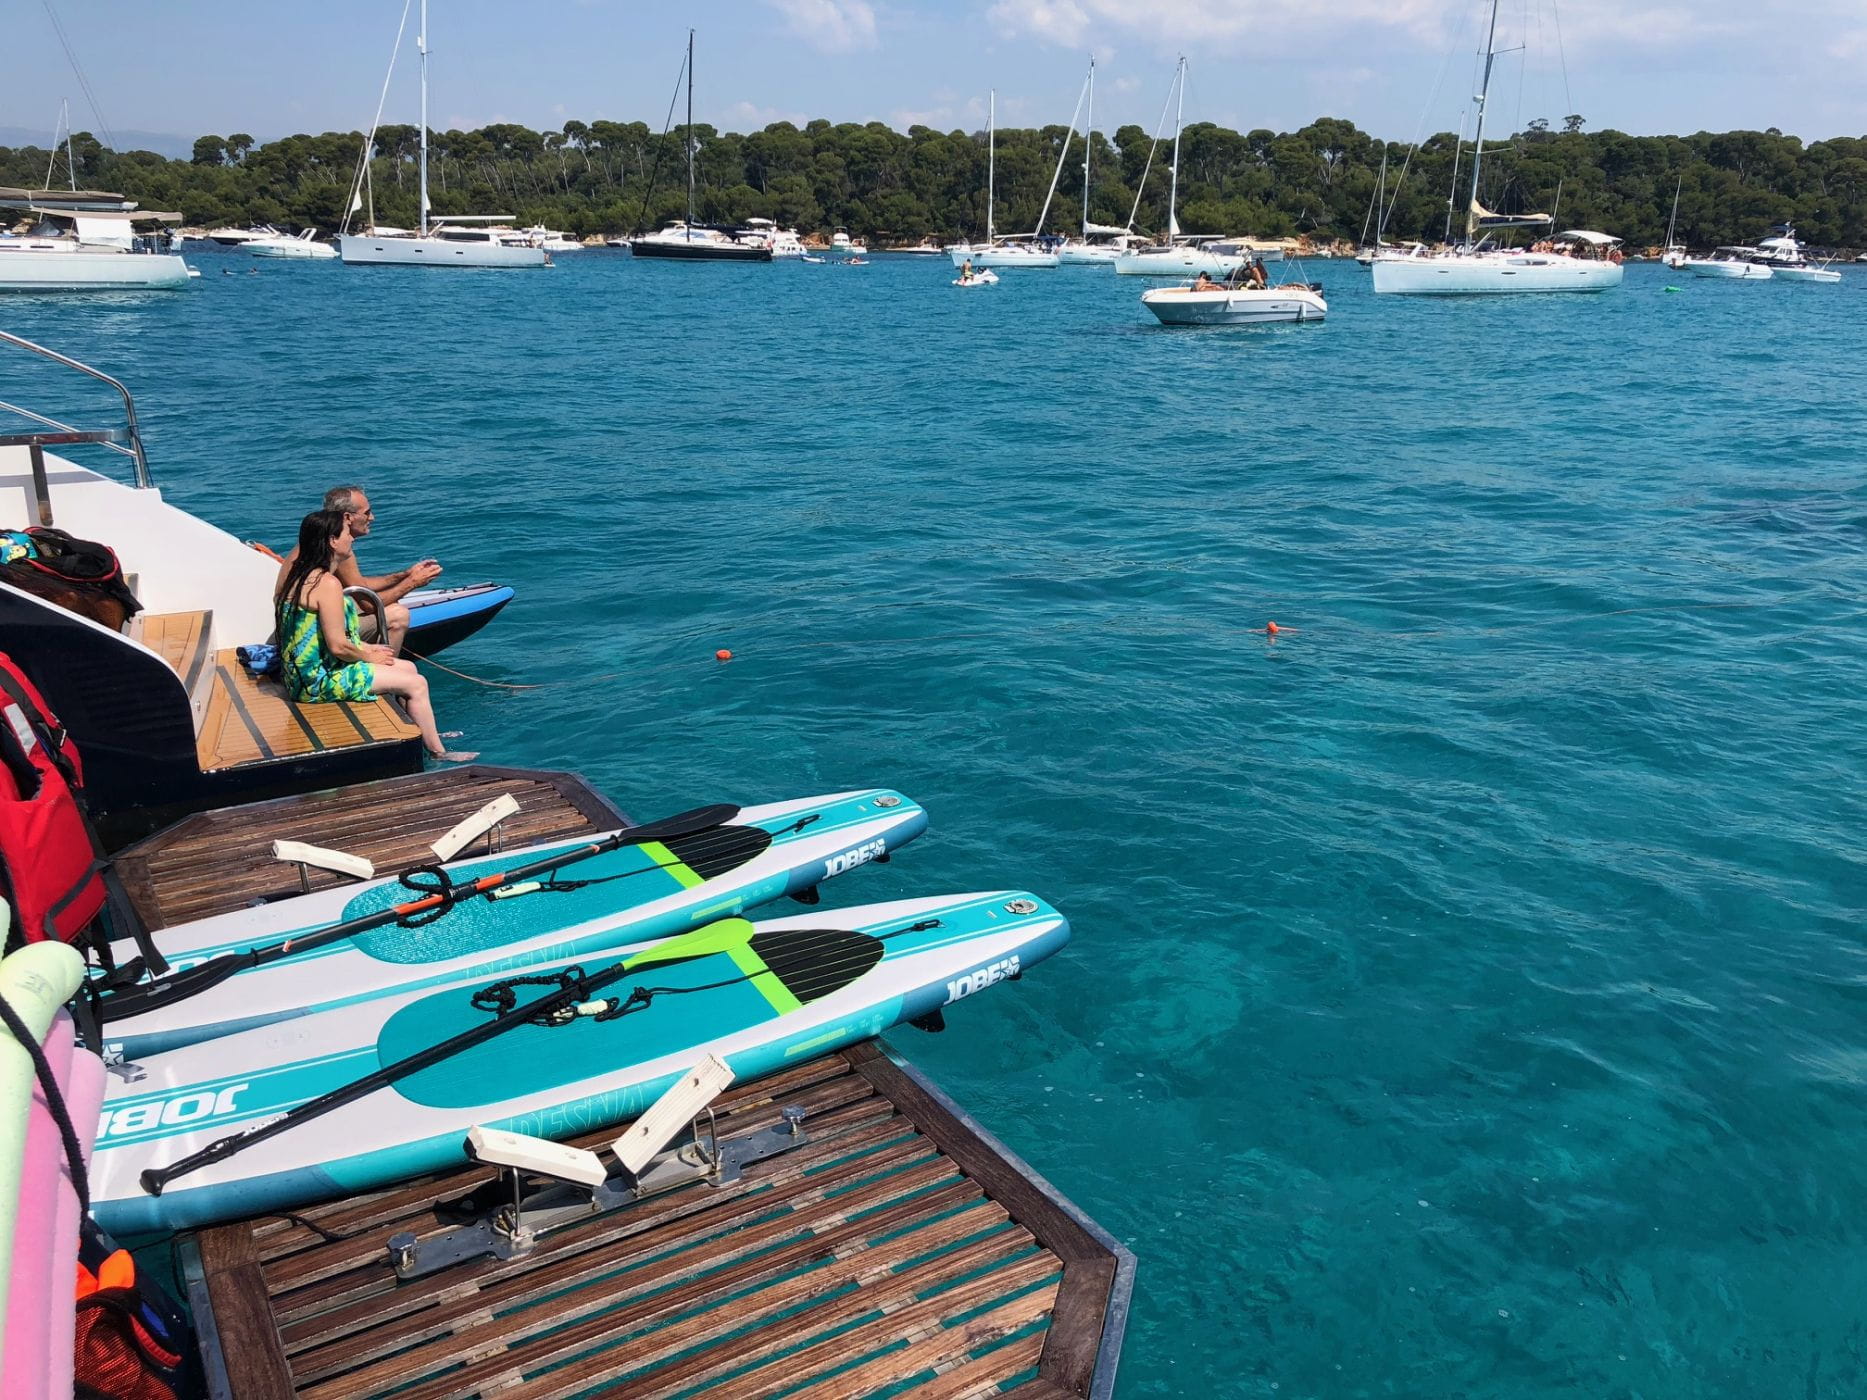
[213, 862]
[248, 720]
[902, 1251]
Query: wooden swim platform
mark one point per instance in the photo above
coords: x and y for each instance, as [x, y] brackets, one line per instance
[901, 1251]
[213, 862]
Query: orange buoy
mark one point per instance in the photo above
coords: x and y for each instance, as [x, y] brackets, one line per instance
[722, 655]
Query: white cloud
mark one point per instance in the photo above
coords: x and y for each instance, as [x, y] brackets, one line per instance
[834, 26]
[749, 116]
[1176, 25]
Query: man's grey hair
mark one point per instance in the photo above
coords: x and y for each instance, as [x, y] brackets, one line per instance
[342, 498]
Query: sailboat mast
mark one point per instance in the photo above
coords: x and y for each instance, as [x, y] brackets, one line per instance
[1173, 174]
[421, 45]
[1089, 141]
[689, 133]
[1478, 140]
[1673, 222]
[991, 158]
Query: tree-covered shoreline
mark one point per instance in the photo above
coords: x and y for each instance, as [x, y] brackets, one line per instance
[887, 185]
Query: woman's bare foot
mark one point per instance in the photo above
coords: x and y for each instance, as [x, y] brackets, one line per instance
[455, 755]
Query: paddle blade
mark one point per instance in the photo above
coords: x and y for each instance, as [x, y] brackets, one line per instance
[179, 986]
[680, 824]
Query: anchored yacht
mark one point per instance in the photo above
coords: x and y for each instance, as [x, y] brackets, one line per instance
[86, 241]
[457, 241]
[298, 245]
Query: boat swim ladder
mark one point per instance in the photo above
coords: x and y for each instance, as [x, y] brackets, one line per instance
[51, 433]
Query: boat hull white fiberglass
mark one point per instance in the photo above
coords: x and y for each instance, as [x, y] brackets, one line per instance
[1729, 269]
[1185, 261]
[1182, 306]
[1463, 274]
[366, 249]
[1011, 255]
[1805, 274]
[25, 269]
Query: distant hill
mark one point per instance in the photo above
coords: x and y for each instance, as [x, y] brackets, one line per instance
[163, 143]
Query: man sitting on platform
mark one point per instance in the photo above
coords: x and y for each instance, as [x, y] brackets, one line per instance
[388, 587]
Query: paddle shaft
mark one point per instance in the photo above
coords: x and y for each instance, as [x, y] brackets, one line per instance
[195, 980]
[154, 1179]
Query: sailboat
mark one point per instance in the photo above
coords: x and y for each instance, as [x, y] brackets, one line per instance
[1674, 254]
[1013, 250]
[1182, 255]
[687, 240]
[460, 240]
[1588, 262]
[1377, 216]
[1098, 244]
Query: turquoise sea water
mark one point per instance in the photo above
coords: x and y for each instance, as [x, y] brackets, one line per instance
[1469, 984]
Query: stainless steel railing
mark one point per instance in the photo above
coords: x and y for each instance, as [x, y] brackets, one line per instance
[128, 439]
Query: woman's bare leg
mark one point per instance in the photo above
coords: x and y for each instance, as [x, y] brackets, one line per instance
[401, 678]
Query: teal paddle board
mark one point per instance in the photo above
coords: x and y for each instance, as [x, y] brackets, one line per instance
[760, 996]
[635, 893]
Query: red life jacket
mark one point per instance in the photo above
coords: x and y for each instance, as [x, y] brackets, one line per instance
[50, 871]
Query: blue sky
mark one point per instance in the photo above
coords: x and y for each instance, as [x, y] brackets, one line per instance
[1394, 67]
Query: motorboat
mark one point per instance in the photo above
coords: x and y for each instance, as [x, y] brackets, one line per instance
[1011, 250]
[843, 246]
[1786, 260]
[1736, 262]
[926, 248]
[459, 240]
[168, 717]
[984, 277]
[1190, 305]
[685, 240]
[303, 244]
[1579, 260]
[239, 237]
[538, 236]
[86, 241]
[783, 242]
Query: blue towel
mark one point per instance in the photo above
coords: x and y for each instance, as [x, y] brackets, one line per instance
[262, 658]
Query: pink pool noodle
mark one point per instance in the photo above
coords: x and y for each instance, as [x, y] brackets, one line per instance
[30, 1299]
[84, 1096]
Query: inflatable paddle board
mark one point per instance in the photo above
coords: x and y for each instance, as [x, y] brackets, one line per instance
[760, 996]
[439, 617]
[632, 894]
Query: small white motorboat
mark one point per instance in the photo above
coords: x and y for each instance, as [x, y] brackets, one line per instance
[1190, 305]
[1786, 260]
[1734, 263]
[984, 277]
[282, 245]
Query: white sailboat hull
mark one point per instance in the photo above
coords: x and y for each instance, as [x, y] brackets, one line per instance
[365, 250]
[1182, 306]
[1465, 274]
[1011, 255]
[1178, 262]
[36, 270]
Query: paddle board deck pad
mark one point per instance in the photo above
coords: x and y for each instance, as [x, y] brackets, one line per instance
[633, 894]
[760, 996]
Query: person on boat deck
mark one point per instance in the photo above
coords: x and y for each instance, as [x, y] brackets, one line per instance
[965, 271]
[322, 657]
[1259, 279]
[1204, 283]
[389, 587]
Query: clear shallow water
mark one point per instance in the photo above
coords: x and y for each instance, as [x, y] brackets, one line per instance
[1468, 986]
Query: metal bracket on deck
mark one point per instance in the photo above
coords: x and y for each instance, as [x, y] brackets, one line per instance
[578, 1187]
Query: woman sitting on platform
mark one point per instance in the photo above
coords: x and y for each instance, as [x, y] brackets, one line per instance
[322, 657]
